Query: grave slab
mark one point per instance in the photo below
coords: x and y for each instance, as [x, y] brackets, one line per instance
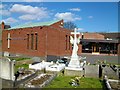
[40, 66]
[55, 67]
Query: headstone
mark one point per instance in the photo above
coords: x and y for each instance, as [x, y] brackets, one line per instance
[92, 71]
[6, 54]
[7, 69]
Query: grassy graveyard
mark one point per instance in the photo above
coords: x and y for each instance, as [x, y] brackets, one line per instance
[20, 62]
[64, 82]
[19, 59]
[26, 66]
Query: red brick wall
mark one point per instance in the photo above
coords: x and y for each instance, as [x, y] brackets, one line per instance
[51, 41]
[57, 41]
[80, 49]
[18, 42]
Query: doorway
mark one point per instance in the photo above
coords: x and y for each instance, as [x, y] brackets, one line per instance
[95, 48]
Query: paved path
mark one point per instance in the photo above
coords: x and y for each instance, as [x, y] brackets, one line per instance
[94, 58]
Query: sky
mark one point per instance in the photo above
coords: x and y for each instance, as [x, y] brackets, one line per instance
[87, 16]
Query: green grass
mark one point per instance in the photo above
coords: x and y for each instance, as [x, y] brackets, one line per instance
[18, 59]
[63, 82]
[26, 66]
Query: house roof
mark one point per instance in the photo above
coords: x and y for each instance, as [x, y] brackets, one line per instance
[34, 24]
[113, 35]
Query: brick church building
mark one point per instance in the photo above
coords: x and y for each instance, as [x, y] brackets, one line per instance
[38, 39]
[50, 38]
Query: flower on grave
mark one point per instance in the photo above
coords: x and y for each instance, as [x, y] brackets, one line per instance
[88, 63]
[104, 61]
[73, 80]
[101, 62]
[108, 64]
[98, 61]
[78, 78]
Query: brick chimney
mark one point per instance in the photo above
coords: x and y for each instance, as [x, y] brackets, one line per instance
[3, 25]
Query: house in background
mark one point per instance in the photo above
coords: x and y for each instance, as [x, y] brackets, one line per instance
[51, 39]
[97, 43]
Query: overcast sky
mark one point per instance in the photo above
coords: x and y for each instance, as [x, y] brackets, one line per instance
[88, 16]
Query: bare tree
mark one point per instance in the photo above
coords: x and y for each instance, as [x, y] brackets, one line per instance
[69, 25]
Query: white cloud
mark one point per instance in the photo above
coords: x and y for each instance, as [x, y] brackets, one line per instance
[4, 12]
[19, 8]
[75, 9]
[27, 17]
[37, 16]
[1, 6]
[78, 18]
[33, 0]
[10, 20]
[67, 16]
[80, 29]
[30, 12]
[90, 17]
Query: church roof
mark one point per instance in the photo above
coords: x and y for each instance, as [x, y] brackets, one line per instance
[34, 24]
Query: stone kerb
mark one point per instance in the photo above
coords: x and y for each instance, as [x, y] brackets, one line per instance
[7, 69]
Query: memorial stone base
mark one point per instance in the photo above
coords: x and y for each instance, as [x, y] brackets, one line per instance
[73, 71]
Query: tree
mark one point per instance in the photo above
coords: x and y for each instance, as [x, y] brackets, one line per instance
[69, 25]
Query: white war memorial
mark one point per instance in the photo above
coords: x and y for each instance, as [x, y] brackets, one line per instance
[74, 67]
